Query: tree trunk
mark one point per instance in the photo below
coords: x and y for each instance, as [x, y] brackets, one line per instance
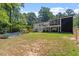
[10, 20]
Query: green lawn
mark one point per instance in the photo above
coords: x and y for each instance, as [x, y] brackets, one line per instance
[51, 44]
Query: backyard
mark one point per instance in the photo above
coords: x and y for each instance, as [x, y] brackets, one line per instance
[39, 44]
[39, 29]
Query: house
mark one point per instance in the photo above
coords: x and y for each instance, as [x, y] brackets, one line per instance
[58, 25]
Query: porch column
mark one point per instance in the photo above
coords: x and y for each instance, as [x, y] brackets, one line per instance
[49, 29]
[60, 25]
[59, 29]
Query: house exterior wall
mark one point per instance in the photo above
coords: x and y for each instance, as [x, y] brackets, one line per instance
[59, 25]
[67, 24]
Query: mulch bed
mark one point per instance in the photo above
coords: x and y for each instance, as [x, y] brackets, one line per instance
[3, 37]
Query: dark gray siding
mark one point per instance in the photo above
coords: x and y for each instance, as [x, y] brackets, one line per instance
[67, 24]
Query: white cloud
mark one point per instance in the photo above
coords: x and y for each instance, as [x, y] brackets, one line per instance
[76, 11]
[36, 13]
[62, 10]
[24, 12]
[54, 10]
[57, 10]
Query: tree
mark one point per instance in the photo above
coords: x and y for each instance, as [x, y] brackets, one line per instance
[61, 15]
[31, 18]
[64, 14]
[9, 12]
[51, 16]
[23, 18]
[76, 25]
[4, 19]
[76, 20]
[70, 12]
[44, 14]
[13, 10]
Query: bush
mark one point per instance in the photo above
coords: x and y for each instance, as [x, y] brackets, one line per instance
[29, 28]
[16, 27]
[24, 31]
[1, 31]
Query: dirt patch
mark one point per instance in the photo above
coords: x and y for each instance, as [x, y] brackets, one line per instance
[33, 49]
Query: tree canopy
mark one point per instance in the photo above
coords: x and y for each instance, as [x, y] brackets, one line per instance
[70, 12]
[9, 12]
[45, 14]
[31, 18]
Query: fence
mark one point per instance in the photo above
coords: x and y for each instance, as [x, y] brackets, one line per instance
[76, 33]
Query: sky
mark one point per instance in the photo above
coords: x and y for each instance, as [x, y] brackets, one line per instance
[54, 7]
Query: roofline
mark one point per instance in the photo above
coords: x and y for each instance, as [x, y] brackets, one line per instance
[61, 18]
[55, 19]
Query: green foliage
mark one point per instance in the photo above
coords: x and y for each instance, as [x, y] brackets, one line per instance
[31, 18]
[29, 28]
[17, 26]
[70, 12]
[4, 19]
[45, 14]
[10, 17]
[59, 15]
[76, 21]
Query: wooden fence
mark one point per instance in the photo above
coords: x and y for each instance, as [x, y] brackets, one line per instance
[76, 33]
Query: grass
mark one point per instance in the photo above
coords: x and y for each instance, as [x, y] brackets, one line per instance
[50, 44]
